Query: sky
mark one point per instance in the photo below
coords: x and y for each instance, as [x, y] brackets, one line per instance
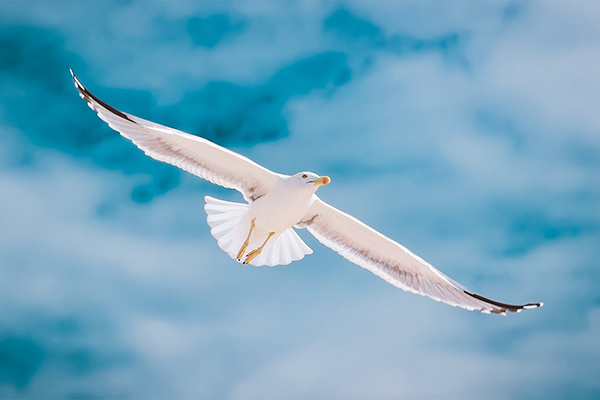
[467, 131]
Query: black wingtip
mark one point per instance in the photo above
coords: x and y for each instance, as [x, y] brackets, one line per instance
[504, 307]
[90, 98]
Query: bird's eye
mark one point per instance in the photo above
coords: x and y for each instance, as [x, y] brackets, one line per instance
[304, 176]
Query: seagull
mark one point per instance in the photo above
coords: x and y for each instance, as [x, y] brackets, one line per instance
[261, 232]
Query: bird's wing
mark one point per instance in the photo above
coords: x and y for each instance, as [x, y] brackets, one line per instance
[188, 152]
[393, 262]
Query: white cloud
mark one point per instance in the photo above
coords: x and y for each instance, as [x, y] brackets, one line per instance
[164, 313]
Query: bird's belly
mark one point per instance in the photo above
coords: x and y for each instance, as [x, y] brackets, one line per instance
[277, 216]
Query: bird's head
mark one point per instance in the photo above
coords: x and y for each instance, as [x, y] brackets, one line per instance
[310, 179]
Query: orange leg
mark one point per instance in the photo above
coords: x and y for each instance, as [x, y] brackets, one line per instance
[256, 252]
[245, 245]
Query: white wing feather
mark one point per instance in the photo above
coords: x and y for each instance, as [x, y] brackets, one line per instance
[391, 261]
[341, 232]
[188, 152]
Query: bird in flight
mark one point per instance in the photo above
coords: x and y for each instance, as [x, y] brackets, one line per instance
[261, 232]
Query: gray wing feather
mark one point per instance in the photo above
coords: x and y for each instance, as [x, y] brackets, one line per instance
[391, 261]
[191, 153]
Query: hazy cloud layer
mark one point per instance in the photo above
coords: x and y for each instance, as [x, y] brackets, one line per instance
[466, 131]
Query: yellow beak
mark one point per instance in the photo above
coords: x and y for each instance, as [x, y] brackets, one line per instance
[324, 180]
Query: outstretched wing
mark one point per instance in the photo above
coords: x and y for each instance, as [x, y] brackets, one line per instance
[188, 152]
[393, 262]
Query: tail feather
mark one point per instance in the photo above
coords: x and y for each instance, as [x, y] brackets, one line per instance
[285, 252]
[229, 227]
[282, 250]
[298, 246]
[224, 218]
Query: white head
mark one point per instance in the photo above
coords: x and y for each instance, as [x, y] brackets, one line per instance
[309, 180]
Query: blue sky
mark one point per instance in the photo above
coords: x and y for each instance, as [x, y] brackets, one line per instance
[467, 131]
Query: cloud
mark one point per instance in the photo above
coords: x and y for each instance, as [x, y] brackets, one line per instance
[364, 34]
[35, 65]
[209, 31]
[345, 24]
[464, 131]
[242, 115]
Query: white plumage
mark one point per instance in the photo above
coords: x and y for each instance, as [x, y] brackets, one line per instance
[262, 231]
[230, 223]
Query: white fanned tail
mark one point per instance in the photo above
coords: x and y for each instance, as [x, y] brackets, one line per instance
[230, 228]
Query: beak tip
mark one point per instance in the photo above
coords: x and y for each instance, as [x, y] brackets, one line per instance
[323, 180]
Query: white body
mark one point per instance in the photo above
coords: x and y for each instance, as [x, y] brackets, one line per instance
[283, 207]
[277, 203]
[276, 213]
